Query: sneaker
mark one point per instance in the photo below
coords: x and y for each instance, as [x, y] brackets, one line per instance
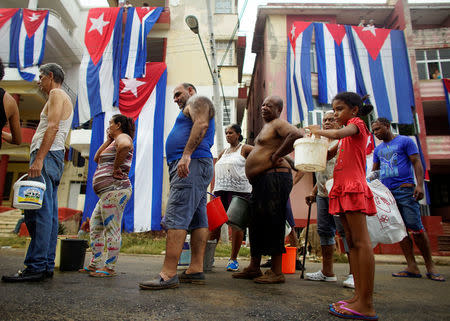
[233, 265]
[349, 282]
[319, 276]
[268, 264]
[270, 278]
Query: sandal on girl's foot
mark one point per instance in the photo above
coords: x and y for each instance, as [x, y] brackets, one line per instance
[103, 273]
[338, 304]
[87, 270]
[352, 315]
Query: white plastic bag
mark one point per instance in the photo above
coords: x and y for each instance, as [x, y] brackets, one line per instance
[387, 225]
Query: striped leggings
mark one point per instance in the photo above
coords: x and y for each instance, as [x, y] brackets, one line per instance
[106, 221]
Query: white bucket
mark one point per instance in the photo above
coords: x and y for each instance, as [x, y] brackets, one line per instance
[28, 195]
[311, 154]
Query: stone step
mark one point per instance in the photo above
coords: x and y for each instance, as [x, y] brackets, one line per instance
[443, 242]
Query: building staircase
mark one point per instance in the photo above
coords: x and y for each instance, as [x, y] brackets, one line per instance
[444, 239]
[8, 221]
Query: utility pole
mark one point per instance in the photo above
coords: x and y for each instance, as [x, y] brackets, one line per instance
[215, 74]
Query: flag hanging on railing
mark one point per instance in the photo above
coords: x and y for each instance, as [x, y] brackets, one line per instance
[9, 29]
[99, 76]
[31, 42]
[334, 62]
[446, 83]
[143, 99]
[382, 68]
[298, 82]
[140, 21]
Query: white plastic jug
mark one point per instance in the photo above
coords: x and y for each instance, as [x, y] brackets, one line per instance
[28, 195]
[311, 154]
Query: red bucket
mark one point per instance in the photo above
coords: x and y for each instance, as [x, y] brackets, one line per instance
[216, 213]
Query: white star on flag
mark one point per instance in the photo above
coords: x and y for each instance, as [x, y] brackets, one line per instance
[34, 17]
[293, 32]
[370, 28]
[132, 85]
[98, 24]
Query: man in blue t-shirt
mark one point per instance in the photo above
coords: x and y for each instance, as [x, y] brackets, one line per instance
[190, 164]
[396, 157]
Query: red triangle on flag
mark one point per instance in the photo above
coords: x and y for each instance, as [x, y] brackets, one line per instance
[297, 28]
[32, 20]
[372, 38]
[6, 14]
[130, 104]
[337, 32]
[142, 11]
[99, 28]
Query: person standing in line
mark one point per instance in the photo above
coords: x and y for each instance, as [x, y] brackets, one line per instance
[9, 113]
[351, 198]
[396, 157]
[113, 187]
[188, 152]
[271, 179]
[327, 224]
[46, 160]
[230, 180]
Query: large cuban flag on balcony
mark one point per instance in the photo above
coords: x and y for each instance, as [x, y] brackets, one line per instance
[9, 28]
[140, 21]
[298, 82]
[31, 42]
[334, 61]
[99, 76]
[382, 68]
[143, 99]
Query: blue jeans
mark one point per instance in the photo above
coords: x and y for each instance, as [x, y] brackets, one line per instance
[327, 224]
[42, 224]
[409, 208]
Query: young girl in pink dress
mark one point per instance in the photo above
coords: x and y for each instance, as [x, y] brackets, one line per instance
[351, 198]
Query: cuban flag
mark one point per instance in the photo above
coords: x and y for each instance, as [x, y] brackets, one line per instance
[99, 75]
[298, 82]
[143, 99]
[31, 42]
[334, 62]
[9, 28]
[140, 21]
[382, 69]
[446, 83]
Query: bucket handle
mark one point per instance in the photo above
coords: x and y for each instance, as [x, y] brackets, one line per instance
[214, 196]
[27, 175]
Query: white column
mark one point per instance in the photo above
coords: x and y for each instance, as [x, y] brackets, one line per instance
[32, 4]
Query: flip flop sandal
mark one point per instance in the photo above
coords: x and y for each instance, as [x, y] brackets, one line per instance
[406, 274]
[338, 304]
[86, 270]
[436, 277]
[102, 274]
[354, 314]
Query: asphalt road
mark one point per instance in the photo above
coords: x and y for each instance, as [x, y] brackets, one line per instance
[75, 296]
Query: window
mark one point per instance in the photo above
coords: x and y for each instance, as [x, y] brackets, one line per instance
[433, 63]
[224, 6]
[226, 112]
[315, 117]
[221, 47]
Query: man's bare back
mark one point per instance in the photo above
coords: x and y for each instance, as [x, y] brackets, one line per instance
[273, 142]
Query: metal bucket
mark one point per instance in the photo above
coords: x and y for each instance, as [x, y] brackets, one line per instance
[239, 212]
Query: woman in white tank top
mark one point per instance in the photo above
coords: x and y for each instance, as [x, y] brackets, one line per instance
[230, 180]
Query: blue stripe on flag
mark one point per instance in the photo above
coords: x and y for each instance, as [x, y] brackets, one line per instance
[14, 39]
[29, 50]
[447, 100]
[93, 87]
[305, 67]
[116, 56]
[402, 76]
[321, 63]
[379, 87]
[128, 213]
[361, 88]
[97, 137]
[126, 41]
[288, 83]
[158, 151]
[340, 67]
[41, 56]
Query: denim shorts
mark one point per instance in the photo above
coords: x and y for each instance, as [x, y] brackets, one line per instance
[327, 224]
[409, 208]
[186, 207]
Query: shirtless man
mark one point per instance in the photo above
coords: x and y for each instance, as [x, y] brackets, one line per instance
[47, 161]
[271, 179]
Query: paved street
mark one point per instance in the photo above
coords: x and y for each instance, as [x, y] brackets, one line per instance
[74, 296]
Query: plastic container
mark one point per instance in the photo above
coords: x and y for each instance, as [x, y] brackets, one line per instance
[311, 154]
[73, 252]
[208, 259]
[28, 195]
[288, 260]
[185, 257]
[239, 212]
[217, 215]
